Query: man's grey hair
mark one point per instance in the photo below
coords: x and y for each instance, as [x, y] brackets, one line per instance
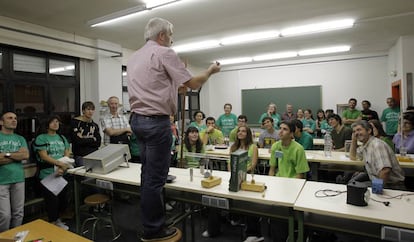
[363, 123]
[156, 26]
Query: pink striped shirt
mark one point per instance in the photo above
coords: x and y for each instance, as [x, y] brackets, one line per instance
[155, 73]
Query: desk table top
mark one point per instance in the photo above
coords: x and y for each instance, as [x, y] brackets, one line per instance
[398, 213]
[42, 229]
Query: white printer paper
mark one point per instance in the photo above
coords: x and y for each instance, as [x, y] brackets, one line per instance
[54, 183]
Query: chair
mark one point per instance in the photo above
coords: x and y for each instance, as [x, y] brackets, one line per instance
[97, 203]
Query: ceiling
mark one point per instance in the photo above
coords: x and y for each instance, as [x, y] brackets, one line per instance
[378, 24]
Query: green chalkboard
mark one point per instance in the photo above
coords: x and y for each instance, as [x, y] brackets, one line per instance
[255, 101]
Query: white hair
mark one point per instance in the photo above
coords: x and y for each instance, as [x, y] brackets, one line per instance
[156, 26]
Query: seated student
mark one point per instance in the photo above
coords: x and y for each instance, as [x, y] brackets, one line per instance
[299, 114]
[241, 121]
[86, 137]
[244, 141]
[291, 162]
[193, 144]
[51, 146]
[289, 115]
[378, 131]
[269, 134]
[227, 121]
[211, 135]
[309, 124]
[379, 159]
[339, 133]
[175, 141]
[198, 121]
[271, 112]
[407, 132]
[322, 124]
[303, 138]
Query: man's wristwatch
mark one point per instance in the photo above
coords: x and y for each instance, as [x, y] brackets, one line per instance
[7, 155]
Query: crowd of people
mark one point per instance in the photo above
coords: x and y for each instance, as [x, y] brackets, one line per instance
[153, 138]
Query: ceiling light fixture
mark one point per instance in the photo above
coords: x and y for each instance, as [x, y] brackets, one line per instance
[318, 27]
[252, 37]
[273, 56]
[129, 13]
[235, 60]
[208, 44]
[327, 50]
[157, 3]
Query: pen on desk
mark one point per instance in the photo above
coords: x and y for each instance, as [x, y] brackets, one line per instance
[36, 240]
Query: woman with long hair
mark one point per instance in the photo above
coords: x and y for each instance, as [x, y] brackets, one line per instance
[378, 131]
[50, 147]
[244, 141]
[192, 144]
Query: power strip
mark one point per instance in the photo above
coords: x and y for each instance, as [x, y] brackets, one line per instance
[217, 202]
[105, 184]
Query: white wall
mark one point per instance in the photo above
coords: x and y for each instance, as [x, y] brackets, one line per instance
[361, 78]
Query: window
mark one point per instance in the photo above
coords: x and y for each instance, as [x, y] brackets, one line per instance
[29, 63]
[29, 99]
[125, 97]
[64, 68]
[62, 99]
[1, 60]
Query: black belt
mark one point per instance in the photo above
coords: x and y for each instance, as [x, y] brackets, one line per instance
[152, 116]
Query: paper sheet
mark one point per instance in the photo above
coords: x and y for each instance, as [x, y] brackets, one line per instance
[54, 183]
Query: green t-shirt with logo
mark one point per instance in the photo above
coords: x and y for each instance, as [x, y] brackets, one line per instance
[12, 172]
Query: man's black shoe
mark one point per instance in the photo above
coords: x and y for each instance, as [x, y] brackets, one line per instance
[162, 235]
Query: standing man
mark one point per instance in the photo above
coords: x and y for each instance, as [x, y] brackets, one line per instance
[367, 113]
[155, 73]
[351, 114]
[227, 121]
[289, 115]
[390, 116]
[13, 149]
[115, 126]
[269, 135]
[379, 159]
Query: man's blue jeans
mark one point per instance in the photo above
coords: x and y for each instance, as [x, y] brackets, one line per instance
[154, 139]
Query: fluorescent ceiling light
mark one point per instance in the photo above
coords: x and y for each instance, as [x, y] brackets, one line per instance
[318, 27]
[117, 16]
[272, 56]
[327, 50]
[208, 44]
[157, 3]
[235, 60]
[253, 37]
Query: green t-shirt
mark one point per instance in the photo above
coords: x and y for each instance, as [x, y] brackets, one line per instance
[12, 172]
[216, 137]
[325, 126]
[227, 123]
[306, 140]
[199, 127]
[390, 116]
[233, 135]
[55, 148]
[293, 160]
[250, 155]
[192, 162]
[309, 123]
[351, 114]
[133, 146]
[276, 120]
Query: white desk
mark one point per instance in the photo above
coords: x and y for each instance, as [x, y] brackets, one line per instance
[399, 213]
[280, 195]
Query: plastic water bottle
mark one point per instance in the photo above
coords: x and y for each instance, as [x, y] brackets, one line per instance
[327, 147]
